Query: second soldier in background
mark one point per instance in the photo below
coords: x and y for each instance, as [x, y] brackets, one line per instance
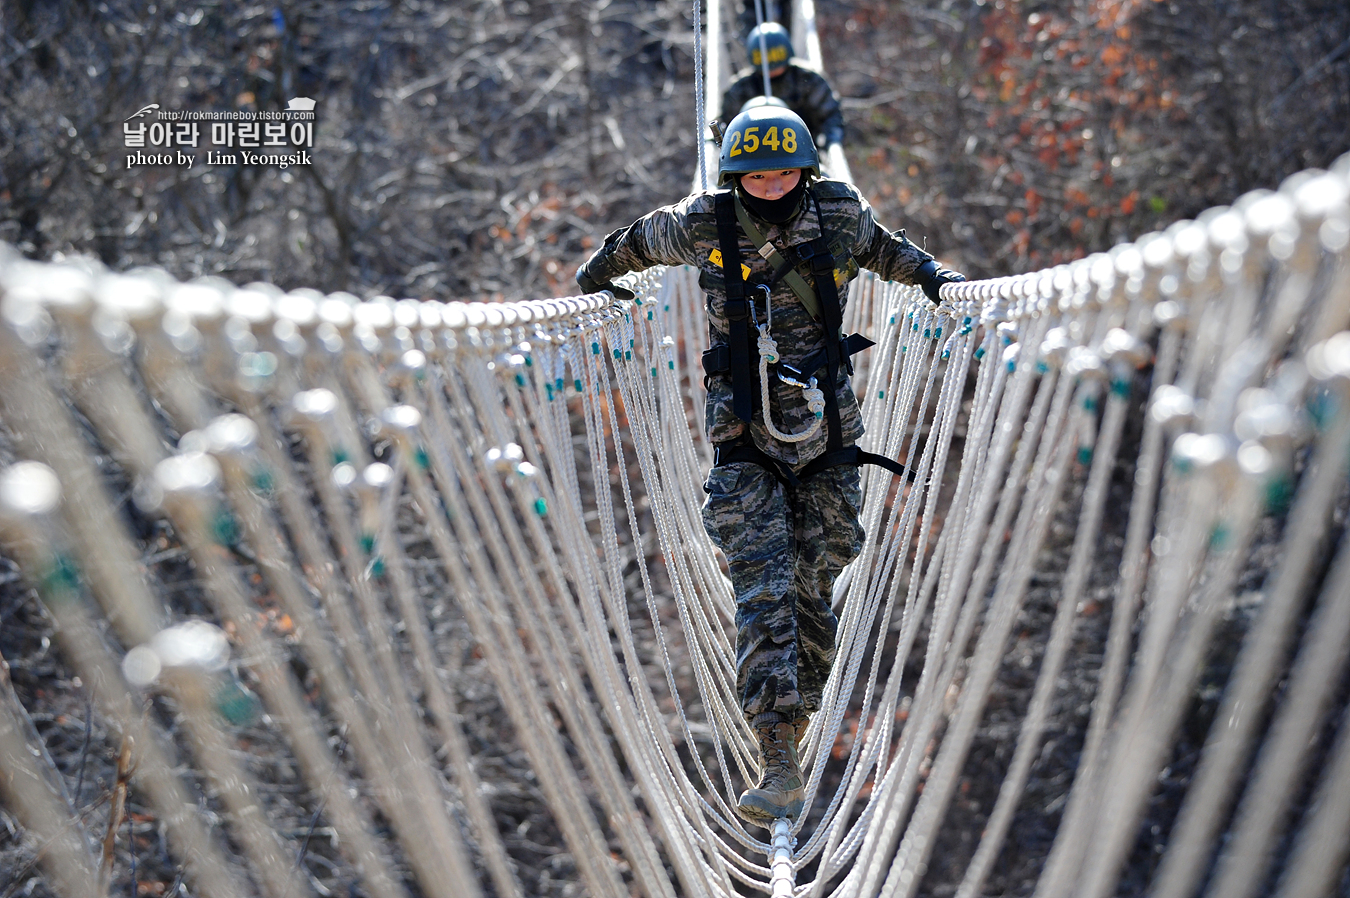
[801, 88]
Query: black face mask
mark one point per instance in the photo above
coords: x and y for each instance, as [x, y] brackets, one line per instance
[779, 211]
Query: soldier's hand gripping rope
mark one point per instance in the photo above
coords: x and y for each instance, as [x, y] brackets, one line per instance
[930, 277]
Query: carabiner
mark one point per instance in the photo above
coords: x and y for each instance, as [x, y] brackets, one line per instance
[785, 374]
[753, 318]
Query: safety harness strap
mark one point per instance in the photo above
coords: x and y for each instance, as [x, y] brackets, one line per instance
[850, 345]
[817, 254]
[853, 455]
[733, 452]
[717, 358]
[737, 308]
[782, 268]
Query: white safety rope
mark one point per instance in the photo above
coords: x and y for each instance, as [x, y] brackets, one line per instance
[763, 47]
[768, 355]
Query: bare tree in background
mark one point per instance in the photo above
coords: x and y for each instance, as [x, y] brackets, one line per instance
[475, 149]
[463, 150]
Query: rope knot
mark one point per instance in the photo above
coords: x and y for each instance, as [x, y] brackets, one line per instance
[815, 399]
[768, 349]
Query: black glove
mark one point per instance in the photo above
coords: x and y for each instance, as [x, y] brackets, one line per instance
[930, 277]
[589, 284]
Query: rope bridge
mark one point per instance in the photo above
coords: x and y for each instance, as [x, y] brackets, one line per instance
[252, 421]
[1163, 429]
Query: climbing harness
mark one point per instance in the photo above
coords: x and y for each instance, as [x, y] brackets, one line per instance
[735, 355]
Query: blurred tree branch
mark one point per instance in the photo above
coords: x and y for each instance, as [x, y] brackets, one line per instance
[459, 153]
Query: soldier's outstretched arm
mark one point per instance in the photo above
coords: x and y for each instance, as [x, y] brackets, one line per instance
[661, 237]
[896, 258]
[598, 272]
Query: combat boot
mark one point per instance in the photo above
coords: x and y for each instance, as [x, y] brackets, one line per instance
[781, 785]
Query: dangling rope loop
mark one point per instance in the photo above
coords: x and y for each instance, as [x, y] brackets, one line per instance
[768, 355]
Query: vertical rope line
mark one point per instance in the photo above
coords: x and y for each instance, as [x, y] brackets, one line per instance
[438, 698]
[489, 617]
[1061, 630]
[943, 417]
[1045, 483]
[903, 772]
[763, 47]
[638, 394]
[437, 844]
[1124, 608]
[1160, 700]
[67, 857]
[700, 124]
[112, 404]
[1258, 663]
[1320, 851]
[36, 413]
[1284, 755]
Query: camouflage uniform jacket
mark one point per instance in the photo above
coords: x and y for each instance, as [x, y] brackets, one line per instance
[803, 89]
[686, 233]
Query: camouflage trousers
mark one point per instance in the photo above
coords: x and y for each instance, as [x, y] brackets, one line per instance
[784, 548]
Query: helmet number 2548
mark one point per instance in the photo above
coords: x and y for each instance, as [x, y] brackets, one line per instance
[750, 141]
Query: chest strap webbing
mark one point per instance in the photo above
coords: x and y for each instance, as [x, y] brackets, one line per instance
[781, 266]
[737, 308]
[818, 256]
[717, 358]
[853, 455]
[850, 345]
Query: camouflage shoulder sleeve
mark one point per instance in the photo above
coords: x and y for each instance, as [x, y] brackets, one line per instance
[664, 236]
[890, 254]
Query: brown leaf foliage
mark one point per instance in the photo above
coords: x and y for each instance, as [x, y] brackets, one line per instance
[1025, 134]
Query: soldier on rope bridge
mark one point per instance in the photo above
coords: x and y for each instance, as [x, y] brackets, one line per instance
[801, 88]
[775, 248]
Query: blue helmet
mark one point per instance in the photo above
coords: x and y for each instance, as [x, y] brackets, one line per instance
[776, 42]
[764, 138]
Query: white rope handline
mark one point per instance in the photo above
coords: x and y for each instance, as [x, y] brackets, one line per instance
[444, 501]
